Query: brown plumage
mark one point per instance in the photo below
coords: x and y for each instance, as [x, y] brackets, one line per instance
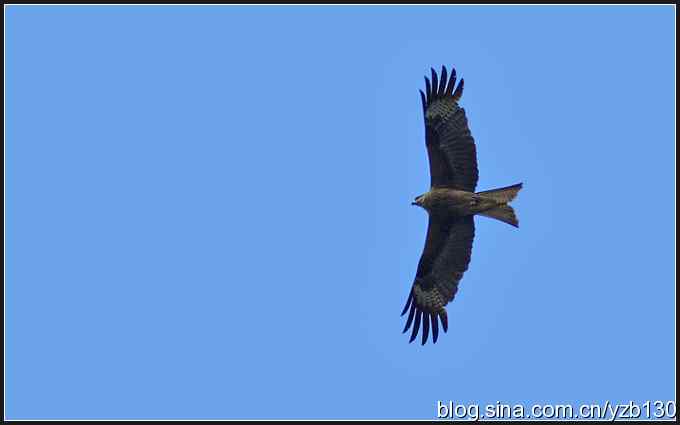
[451, 204]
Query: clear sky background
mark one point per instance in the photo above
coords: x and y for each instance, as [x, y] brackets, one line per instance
[208, 209]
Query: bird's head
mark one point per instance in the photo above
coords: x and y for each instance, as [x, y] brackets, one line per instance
[418, 201]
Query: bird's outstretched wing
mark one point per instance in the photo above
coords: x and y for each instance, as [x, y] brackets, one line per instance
[450, 146]
[444, 260]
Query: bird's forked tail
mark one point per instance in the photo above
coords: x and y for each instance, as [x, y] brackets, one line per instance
[503, 212]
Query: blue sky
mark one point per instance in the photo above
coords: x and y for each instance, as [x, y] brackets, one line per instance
[208, 209]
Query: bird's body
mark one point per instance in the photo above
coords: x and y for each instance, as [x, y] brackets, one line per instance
[451, 204]
[446, 202]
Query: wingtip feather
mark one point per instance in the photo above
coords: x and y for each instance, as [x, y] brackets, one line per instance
[426, 327]
[452, 82]
[408, 303]
[410, 318]
[445, 320]
[416, 326]
[442, 82]
[459, 90]
[435, 327]
[435, 83]
[428, 90]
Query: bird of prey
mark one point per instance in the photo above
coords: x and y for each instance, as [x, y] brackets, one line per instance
[451, 204]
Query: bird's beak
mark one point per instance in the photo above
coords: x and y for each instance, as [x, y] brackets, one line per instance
[414, 203]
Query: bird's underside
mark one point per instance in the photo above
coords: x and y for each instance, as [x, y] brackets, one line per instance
[451, 204]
